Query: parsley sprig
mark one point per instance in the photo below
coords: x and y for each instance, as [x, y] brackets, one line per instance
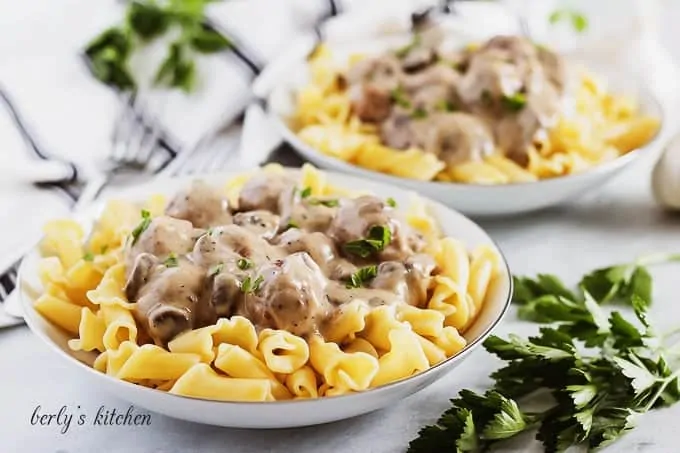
[109, 53]
[362, 276]
[379, 237]
[249, 285]
[577, 19]
[600, 369]
[142, 226]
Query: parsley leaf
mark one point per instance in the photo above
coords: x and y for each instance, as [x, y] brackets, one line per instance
[249, 286]
[171, 260]
[89, 256]
[177, 70]
[108, 56]
[362, 276]
[399, 97]
[600, 369]
[578, 21]
[391, 202]
[244, 264]
[143, 225]
[515, 102]
[378, 238]
[330, 203]
[306, 192]
[109, 53]
[206, 40]
[216, 269]
[445, 106]
[419, 113]
[403, 51]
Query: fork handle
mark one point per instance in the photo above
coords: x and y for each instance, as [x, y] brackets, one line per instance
[92, 190]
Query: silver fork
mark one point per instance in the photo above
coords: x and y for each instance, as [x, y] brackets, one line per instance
[206, 159]
[133, 143]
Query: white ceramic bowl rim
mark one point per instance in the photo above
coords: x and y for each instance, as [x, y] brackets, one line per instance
[469, 347]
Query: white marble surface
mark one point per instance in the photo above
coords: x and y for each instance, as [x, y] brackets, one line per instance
[614, 225]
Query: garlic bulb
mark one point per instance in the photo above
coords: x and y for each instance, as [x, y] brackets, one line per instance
[666, 177]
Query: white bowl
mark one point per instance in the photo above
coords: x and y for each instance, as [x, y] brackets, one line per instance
[278, 414]
[471, 199]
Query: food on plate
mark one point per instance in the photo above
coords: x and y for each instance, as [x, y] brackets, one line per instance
[503, 111]
[277, 286]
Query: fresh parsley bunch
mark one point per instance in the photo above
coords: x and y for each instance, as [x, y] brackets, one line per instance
[145, 20]
[593, 371]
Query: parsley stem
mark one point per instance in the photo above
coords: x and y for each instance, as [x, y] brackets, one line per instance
[657, 258]
[659, 392]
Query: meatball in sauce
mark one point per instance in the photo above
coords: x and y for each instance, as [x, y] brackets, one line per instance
[462, 106]
[282, 257]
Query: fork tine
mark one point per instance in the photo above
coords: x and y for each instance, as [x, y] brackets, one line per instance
[147, 145]
[147, 134]
[224, 158]
[122, 132]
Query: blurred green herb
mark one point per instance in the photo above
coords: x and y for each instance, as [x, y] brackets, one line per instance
[250, 286]
[362, 276]
[244, 263]
[171, 260]
[578, 21]
[143, 225]
[516, 102]
[329, 203]
[378, 238]
[403, 51]
[215, 269]
[306, 192]
[399, 97]
[110, 52]
[419, 113]
[445, 106]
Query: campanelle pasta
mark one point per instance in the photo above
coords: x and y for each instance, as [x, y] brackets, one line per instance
[360, 346]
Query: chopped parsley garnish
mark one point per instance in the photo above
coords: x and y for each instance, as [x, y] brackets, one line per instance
[403, 51]
[332, 203]
[391, 202]
[516, 102]
[250, 286]
[362, 276]
[577, 19]
[586, 375]
[378, 238]
[306, 192]
[143, 225]
[399, 97]
[89, 256]
[445, 106]
[292, 224]
[419, 113]
[244, 264]
[171, 260]
[460, 66]
[487, 99]
[216, 269]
